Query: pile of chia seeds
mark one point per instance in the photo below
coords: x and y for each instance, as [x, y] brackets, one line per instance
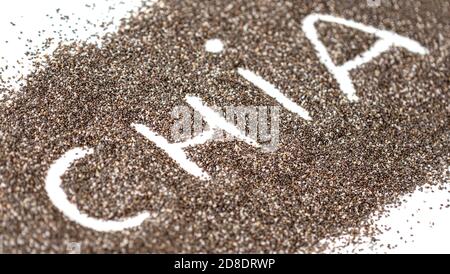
[327, 177]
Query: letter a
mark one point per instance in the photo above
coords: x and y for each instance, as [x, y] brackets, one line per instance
[386, 40]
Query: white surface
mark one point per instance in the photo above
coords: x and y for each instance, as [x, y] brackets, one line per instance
[215, 120]
[274, 92]
[214, 46]
[175, 151]
[59, 198]
[29, 17]
[420, 225]
[386, 40]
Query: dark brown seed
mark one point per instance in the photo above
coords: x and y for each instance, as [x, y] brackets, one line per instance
[326, 179]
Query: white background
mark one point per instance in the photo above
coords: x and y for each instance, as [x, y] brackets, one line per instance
[420, 221]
